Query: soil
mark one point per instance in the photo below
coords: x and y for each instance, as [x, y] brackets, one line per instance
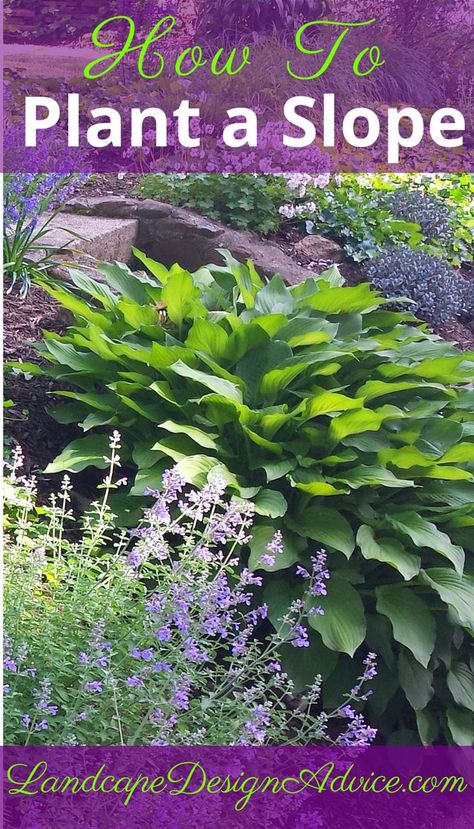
[27, 423]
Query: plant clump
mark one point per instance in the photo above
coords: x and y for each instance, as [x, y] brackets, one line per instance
[436, 292]
[152, 637]
[434, 218]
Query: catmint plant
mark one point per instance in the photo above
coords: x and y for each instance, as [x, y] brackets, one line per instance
[156, 636]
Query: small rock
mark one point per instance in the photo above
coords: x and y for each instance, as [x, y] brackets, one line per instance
[320, 247]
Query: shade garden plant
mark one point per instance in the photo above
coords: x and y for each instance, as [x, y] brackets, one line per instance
[150, 638]
[346, 424]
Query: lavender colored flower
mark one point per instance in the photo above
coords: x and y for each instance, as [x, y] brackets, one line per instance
[300, 637]
[134, 682]
[94, 687]
[162, 667]
[163, 634]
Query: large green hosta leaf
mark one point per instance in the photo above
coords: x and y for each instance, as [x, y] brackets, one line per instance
[413, 623]
[343, 626]
[426, 534]
[78, 455]
[455, 590]
[389, 551]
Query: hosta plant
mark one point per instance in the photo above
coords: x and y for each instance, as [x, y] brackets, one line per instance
[347, 424]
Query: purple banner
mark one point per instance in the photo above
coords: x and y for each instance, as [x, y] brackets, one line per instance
[150, 86]
[199, 787]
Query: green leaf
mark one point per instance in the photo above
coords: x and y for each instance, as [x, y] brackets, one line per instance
[461, 684]
[328, 403]
[155, 268]
[246, 278]
[310, 481]
[345, 300]
[80, 454]
[413, 624]
[438, 436]
[425, 534]
[270, 502]
[372, 476]
[354, 423]
[428, 727]
[204, 439]
[124, 282]
[67, 355]
[333, 276]
[461, 726]
[274, 298]
[278, 469]
[196, 468]
[181, 297]
[343, 625]
[216, 384]
[305, 331]
[326, 525]
[415, 680]
[280, 378]
[462, 453]
[262, 535]
[389, 551]
[208, 337]
[457, 591]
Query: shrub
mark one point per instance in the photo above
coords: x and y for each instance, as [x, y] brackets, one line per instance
[243, 201]
[437, 292]
[93, 655]
[345, 423]
[434, 218]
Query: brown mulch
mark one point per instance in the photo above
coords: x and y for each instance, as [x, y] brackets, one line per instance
[27, 422]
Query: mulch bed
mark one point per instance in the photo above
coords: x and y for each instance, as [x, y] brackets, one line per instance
[27, 423]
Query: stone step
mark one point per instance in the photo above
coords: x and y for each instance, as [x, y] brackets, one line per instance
[86, 237]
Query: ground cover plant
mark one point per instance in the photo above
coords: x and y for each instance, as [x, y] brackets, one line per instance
[345, 423]
[150, 637]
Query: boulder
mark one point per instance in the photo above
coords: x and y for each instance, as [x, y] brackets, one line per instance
[320, 248]
[174, 234]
